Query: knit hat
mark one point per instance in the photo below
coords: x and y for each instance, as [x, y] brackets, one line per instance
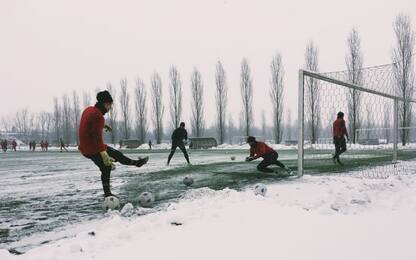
[251, 139]
[104, 97]
[340, 115]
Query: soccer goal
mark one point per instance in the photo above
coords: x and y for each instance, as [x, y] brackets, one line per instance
[377, 114]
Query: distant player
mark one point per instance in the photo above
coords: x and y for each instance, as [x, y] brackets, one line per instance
[62, 144]
[260, 149]
[178, 136]
[339, 131]
[150, 144]
[14, 145]
[91, 140]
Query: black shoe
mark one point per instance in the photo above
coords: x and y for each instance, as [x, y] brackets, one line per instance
[339, 162]
[141, 161]
[334, 158]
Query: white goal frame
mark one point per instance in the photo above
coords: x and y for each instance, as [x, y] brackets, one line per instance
[301, 112]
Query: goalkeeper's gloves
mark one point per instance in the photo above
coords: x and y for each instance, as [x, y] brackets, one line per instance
[108, 161]
[108, 128]
[248, 159]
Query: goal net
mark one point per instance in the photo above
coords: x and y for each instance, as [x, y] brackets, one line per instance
[378, 116]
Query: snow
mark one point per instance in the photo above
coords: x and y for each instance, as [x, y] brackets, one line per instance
[315, 217]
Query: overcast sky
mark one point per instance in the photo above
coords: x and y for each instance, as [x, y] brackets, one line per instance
[49, 48]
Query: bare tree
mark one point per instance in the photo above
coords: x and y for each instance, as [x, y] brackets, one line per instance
[247, 95]
[66, 119]
[197, 103]
[7, 123]
[312, 90]
[112, 114]
[24, 122]
[141, 111]
[231, 129]
[221, 100]
[289, 124]
[86, 99]
[403, 70]
[76, 111]
[263, 125]
[276, 93]
[57, 117]
[125, 108]
[370, 123]
[158, 108]
[44, 119]
[387, 123]
[354, 62]
[175, 96]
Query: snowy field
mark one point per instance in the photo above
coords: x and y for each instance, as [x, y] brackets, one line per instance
[50, 207]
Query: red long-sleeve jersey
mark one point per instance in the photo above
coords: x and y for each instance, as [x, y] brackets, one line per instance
[259, 150]
[338, 128]
[91, 132]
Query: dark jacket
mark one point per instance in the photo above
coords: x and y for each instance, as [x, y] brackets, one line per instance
[179, 135]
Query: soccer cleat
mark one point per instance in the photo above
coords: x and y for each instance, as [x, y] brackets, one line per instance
[288, 170]
[141, 161]
[334, 159]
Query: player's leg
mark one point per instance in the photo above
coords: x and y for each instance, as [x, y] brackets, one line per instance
[273, 159]
[343, 146]
[337, 147]
[183, 149]
[172, 151]
[262, 166]
[274, 156]
[121, 158]
[105, 173]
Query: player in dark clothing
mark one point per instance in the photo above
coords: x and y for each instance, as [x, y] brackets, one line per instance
[91, 140]
[178, 136]
[260, 149]
[339, 131]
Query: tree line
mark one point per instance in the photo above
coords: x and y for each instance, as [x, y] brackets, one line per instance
[132, 117]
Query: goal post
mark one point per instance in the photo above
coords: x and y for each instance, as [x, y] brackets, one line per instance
[378, 108]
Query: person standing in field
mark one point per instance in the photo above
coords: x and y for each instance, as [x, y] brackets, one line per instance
[178, 135]
[339, 131]
[91, 143]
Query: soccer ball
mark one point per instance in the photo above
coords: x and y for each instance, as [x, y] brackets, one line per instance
[146, 199]
[232, 158]
[111, 202]
[260, 189]
[188, 181]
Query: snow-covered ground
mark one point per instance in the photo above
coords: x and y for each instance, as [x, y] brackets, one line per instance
[315, 217]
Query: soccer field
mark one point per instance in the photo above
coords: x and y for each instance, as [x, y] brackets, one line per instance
[41, 192]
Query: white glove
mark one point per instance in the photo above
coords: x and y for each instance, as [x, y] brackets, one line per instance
[248, 159]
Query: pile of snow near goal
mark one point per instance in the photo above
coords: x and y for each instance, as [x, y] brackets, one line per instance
[315, 217]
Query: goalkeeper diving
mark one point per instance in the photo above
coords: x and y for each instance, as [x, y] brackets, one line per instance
[260, 149]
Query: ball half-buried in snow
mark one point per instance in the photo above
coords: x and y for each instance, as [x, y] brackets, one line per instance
[232, 158]
[146, 199]
[188, 181]
[111, 202]
[260, 189]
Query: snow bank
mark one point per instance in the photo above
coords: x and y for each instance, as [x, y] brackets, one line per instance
[315, 217]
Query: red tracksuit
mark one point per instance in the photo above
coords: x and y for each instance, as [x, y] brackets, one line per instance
[91, 132]
[260, 150]
[338, 128]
